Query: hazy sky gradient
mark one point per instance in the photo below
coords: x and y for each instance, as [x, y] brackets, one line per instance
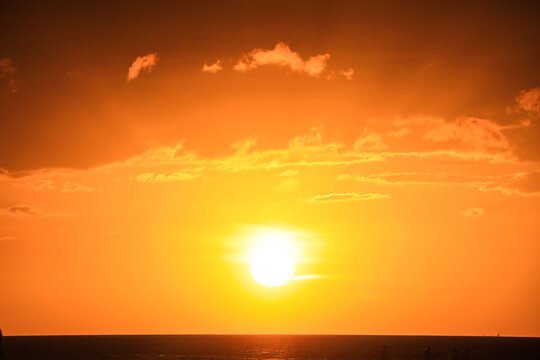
[141, 143]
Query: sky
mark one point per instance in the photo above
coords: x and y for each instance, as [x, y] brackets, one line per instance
[143, 146]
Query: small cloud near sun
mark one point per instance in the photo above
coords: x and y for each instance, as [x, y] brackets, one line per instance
[473, 212]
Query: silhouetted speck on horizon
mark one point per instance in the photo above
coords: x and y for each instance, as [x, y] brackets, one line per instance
[1, 351]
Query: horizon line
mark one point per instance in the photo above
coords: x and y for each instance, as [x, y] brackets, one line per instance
[274, 334]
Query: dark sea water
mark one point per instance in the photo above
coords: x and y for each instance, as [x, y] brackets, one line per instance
[246, 347]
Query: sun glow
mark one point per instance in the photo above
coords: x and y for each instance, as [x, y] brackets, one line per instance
[272, 258]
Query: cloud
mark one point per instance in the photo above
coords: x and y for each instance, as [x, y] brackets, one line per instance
[7, 70]
[302, 151]
[162, 155]
[526, 184]
[474, 212]
[419, 119]
[157, 164]
[334, 197]
[369, 140]
[73, 187]
[40, 184]
[347, 74]
[174, 163]
[529, 101]
[142, 63]
[22, 210]
[289, 173]
[400, 133]
[7, 238]
[472, 156]
[214, 68]
[473, 133]
[521, 184]
[422, 178]
[288, 185]
[45, 184]
[30, 211]
[283, 56]
[244, 146]
[10, 175]
[152, 177]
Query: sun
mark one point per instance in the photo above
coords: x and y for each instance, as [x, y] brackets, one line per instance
[272, 258]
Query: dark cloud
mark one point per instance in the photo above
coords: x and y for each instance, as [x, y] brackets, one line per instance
[23, 210]
[31, 211]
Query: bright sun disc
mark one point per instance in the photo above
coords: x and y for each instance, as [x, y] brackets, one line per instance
[272, 259]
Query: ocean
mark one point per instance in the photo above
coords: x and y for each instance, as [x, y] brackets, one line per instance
[247, 347]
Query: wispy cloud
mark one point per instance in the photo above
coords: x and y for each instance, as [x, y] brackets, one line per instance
[31, 211]
[142, 63]
[422, 178]
[287, 185]
[289, 173]
[476, 133]
[152, 177]
[46, 184]
[369, 140]
[175, 163]
[526, 184]
[473, 133]
[351, 196]
[214, 68]
[40, 184]
[400, 133]
[282, 55]
[347, 74]
[473, 212]
[521, 184]
[73, 187]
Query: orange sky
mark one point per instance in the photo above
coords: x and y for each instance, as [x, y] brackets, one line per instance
[141, 146]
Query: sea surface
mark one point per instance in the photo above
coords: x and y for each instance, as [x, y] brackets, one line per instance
[247, 347]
